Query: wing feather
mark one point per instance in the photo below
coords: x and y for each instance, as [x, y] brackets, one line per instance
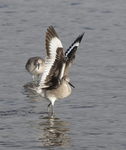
[54, 59]
[71, 51]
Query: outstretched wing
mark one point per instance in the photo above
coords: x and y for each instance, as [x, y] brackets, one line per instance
[54, 61]
[71, 51]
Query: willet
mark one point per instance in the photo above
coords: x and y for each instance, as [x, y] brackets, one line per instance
[55, 82]
[35, 66]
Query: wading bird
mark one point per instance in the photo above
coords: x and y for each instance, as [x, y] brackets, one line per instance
[55, 81]
[35, 66]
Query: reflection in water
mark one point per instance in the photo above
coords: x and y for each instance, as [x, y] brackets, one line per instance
[55, 132]
[31, 93]
[29, 87]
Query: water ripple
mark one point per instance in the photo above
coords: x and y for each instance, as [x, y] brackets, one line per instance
[75, 4]
[3, 6]
[8, 113]
[88, 28]
[85, 106]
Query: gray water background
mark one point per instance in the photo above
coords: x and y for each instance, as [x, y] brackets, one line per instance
[94, 116]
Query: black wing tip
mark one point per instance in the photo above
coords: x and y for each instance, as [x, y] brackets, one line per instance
[50, 27]
[79, 38]
[51, 31]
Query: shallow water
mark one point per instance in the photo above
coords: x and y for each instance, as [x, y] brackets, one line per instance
[94, 116]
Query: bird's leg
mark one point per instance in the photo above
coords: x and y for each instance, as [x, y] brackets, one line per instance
[50, 110]
[33, 77]
[38, 77]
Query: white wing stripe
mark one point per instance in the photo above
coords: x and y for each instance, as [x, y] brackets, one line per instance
[69, 50]
[53, 45]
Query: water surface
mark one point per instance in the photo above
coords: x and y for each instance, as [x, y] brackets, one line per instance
[94, 116]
